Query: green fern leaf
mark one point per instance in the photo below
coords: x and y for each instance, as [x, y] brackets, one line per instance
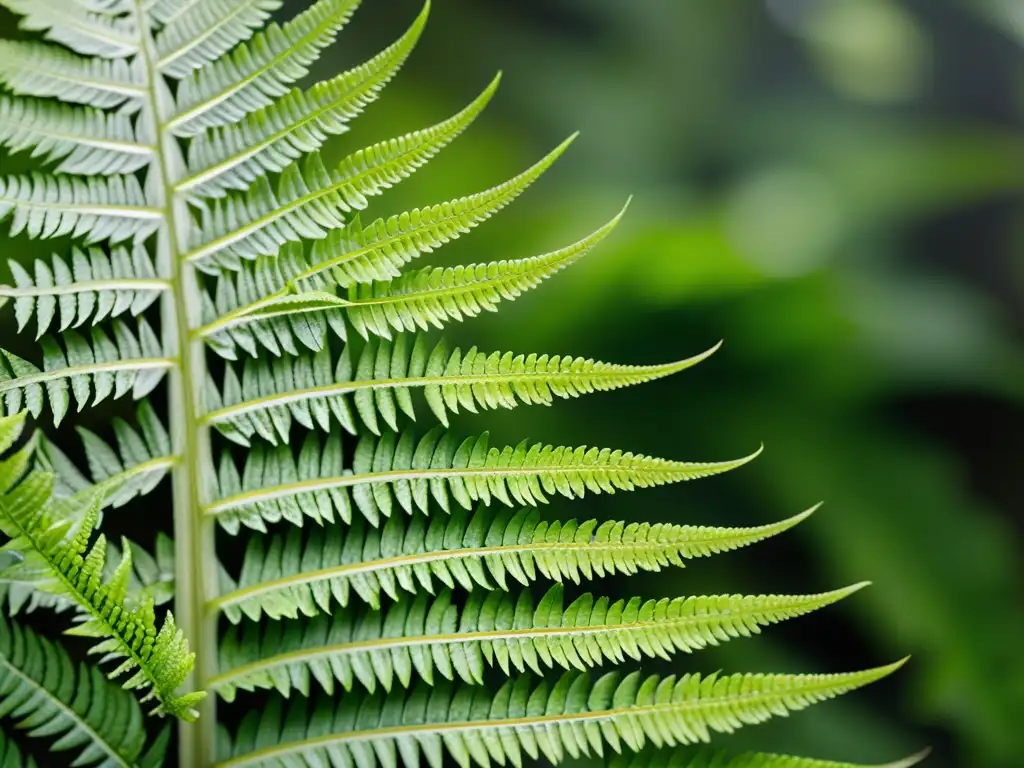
[90, 371]
[151, 578]
[429, 636]
[96, 208]
[433, 296]
[296, 573]
[80, 29]
[310, 200]
[315, 392]
[34, 69]
[572, 717]
[95, 285]
[408, 471]
[256, 73]
[10, 755]
[206, 31]
[235, 155]
[686, 758]
[160, 660]
[142, 458]
[258, 306]
[85, 140]
[41, 689]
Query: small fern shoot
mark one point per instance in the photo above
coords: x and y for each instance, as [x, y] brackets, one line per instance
[402, 599]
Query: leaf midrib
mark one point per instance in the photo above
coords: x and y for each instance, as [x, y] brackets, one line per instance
[81, 724]
[747, 609]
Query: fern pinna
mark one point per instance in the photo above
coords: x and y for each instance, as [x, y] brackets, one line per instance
[280, 349]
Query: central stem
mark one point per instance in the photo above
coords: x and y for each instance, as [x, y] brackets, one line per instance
[195, 552]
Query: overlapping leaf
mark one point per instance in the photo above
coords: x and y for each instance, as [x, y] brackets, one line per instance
[307, 572]
[410, 472]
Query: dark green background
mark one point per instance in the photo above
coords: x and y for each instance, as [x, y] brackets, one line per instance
[833, 187]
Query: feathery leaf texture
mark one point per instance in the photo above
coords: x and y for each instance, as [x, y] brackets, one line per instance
[416, 301]
[85, 140]
[177, 150]
[96, 208]
[80, 29]
[257, 72]
[311, 200]
[523, 718]
[95, 285]
[35, 69]
[87, 370]
[133, 467]
[431, 297]
[159, 660]
[235, 155]
[683, 757]
[208, 30]
[433, 635]
[258, 305]
[315, 392]
[277, 485]
[48, 695]
[152, 577]
[286, 575]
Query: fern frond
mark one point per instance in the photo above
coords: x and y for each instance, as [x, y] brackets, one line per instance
[268, 140]
[95, 208]
[435, 296]
[432, 637]
[159, 659]
[276, 485]
[310, 200]
[378, 252]
[416, 301]
[85, 369]
[95, 285]
[151, 578]
[10, 755]
[297, 573]
[257, 72]
[80, 29]
[85, 140]
[686, 758]
[572, 717]
[35, 69]
[315, 392]
[207, 31]
[44, 693]
[135, 467]
[258, 306]
[165, 12]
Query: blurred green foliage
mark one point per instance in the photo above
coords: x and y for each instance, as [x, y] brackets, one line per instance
[834, 188]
